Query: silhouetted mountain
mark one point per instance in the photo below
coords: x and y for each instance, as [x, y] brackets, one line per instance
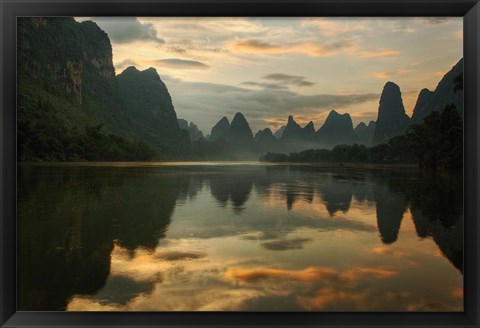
[293, 131]
[443, 95]
[279, 133]
[151, 111]
[193, 131]
[265, 136]
[390, 209]
[391, 120]
[265, 141]
[308, 131]
[219, 129]
[239, 135]
[336, 194]
[337, 129]
[365, 133]
[183, 124]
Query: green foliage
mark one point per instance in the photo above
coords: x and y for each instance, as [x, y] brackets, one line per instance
[41, 136]
[438, 142]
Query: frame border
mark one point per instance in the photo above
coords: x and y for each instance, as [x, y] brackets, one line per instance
[9, 9]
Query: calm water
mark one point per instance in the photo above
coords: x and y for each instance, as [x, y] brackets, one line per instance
[232, 236]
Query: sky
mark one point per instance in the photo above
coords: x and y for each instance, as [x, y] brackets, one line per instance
[269, 68]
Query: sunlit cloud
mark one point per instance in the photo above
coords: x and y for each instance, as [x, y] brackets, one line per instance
[378, 53]
[384, 250]
[309, 48]
[325, 296]
[310, 274]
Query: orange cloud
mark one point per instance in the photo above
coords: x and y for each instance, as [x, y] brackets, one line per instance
[310, 274]
[383, 250]
[358, 273]
[330, 295]
[382, 52]
[310, 48]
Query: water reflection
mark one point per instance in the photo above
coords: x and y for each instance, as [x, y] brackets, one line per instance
[289, 238]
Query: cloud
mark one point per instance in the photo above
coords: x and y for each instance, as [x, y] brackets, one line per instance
[127, 29]
[335, 27]
[289, 79]
[181, 63]
[458, 34]
[382, 52]
[272, 86]
[125, 63]
[395, 72]
[206, 103]
[435, 20]
[310, 274]
[326, 296]
[282, 81]
[282, 245]
[309, 48]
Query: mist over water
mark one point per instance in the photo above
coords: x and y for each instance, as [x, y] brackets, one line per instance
[238, 236]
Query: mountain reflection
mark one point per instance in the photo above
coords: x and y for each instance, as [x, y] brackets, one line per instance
[75, 220]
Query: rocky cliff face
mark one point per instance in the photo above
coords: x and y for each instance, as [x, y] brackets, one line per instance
[151, 111]
[337, 129]
[66, 66]
[443, 95]
[391, 120]
[72, 61]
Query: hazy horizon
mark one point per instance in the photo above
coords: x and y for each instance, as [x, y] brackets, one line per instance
[269, 68]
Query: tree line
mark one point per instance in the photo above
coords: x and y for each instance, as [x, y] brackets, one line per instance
[436, 143]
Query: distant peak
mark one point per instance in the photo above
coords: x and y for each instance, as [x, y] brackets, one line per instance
[290, 119]
[361, 124]
[333, 112]
[224, 120]
[310, 125]
[130, 69]
[392, 86]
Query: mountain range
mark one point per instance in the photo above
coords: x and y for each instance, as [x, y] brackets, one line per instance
[66, 80]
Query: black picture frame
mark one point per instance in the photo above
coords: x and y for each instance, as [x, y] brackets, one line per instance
[468, 9]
